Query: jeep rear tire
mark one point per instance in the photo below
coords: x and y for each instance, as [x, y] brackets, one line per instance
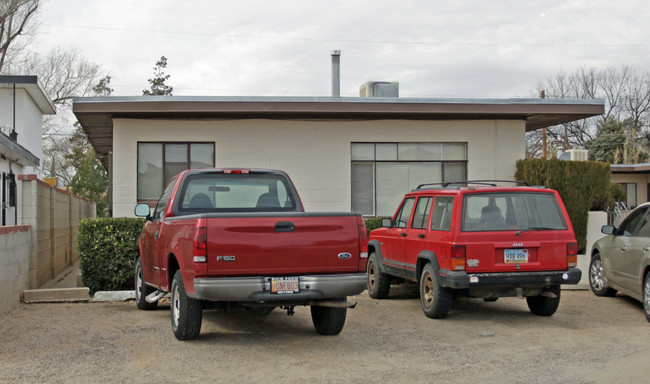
[187, 313]
[543, 305]
[328, 321]
[142, 290]
[378, 282]
[435, 299]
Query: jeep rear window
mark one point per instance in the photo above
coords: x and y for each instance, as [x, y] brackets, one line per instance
[507, 211]
[218, 192]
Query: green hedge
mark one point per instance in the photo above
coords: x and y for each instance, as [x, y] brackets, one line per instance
[107, 249]
[583, 185]
[373, 223]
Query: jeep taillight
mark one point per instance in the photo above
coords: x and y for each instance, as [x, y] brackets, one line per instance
[572, 255]
[458, 255]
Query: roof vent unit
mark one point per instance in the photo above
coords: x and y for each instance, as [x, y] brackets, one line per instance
[574, 155]
[379, 89]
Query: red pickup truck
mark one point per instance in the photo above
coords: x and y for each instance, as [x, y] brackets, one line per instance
[229, 236]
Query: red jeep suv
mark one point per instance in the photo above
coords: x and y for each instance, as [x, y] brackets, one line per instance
[479, 240]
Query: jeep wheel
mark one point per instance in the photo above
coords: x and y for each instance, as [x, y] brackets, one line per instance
[545, 305]
[142, 290]
[187, 313]
[435, 299]
[597, 281]
[378, 282]
[328, 320]
[646, 296]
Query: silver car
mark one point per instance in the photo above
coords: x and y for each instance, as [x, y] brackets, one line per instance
[620, 261]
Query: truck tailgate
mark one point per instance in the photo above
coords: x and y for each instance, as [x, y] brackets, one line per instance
[282, 244]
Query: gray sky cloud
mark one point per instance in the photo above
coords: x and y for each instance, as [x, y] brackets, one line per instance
[262, 48]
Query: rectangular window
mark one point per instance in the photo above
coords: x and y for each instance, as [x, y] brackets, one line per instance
[442, 211]
[421, 215]
[160, 162]
[383, 172]
[630, 192]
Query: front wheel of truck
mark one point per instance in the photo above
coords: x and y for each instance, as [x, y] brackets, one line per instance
[186, 312]
[142, 289]
[328, 321]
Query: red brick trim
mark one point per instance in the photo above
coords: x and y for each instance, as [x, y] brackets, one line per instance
[14, 229]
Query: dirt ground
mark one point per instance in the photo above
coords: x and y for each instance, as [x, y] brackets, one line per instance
[589, 340]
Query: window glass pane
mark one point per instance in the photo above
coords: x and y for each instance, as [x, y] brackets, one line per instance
[430, 151]
[363, 151]
[423, 173]
[454, 151]
[201, 156]
[362, 191]
[421, 215]
[442, 211]
[405, 213]
[631, 195]
[150, 171]
[175, 160]
[644, 228]
[407, 151]
[386, 151]
[392, 184]
[454, 172]
[631, 222]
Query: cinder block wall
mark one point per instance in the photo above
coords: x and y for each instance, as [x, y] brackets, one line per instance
[15, 249]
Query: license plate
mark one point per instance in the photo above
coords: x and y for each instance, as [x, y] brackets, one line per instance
[515, 256]
[284, 285]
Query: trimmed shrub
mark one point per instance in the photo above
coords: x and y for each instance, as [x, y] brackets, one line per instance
[373, 223]
[107, 248]
[583, 185]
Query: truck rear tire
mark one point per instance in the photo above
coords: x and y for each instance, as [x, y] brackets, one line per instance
[142, 290]
[187, 313]
[542, 305]
[328, 321]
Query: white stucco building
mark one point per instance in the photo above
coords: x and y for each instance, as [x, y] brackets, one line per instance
[343, 154]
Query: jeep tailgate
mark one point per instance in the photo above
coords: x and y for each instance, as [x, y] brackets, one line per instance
[282, 244]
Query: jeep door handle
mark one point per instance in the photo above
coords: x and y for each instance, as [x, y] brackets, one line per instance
[421, 236]
[403, 234]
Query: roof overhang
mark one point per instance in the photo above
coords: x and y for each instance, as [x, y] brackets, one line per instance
[630, 168]
[33, 88]
[96, 114]
[16, 152]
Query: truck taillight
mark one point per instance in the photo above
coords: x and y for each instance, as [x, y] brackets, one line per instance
[237, 171]
[458, 255]
[200, 244]
[363, 243]
[572, 255]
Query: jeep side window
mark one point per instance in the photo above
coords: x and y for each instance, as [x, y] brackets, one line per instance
[402, 218]
[421, 215]
[442, 210]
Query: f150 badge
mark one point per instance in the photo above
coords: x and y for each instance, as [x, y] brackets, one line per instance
[225, 258]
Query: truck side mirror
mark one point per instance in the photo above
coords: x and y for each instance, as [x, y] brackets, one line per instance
[142, 210]
[386, 222]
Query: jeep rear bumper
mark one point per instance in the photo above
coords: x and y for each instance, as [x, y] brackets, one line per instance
[462, 280]
[258, 288]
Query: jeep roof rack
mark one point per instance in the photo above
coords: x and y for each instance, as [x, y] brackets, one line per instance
[491, 183]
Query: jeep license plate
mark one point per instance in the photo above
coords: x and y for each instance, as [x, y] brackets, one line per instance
[284, 285]
[515, 255]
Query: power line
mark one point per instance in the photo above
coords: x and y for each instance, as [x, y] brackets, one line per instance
[329, 40]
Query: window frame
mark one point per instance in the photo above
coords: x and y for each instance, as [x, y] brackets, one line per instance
[188, 144]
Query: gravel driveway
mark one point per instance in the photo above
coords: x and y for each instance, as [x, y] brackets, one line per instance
[588, 340]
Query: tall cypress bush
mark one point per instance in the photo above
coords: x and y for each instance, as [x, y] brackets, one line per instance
[581, 184]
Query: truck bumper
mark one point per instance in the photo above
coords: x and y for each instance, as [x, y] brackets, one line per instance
[461, 280]
[258, 288]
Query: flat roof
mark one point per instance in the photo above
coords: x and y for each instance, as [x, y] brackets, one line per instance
[33, 88]
[630, 168]
[96, 114]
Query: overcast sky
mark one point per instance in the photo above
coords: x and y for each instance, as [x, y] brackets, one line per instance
[452, 48]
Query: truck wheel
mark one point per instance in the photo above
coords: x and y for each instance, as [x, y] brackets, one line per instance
[435, 299]
[378, 282]
[542, 305]
[187, 313]
[328, 320]
[142, 289]
[597, 278]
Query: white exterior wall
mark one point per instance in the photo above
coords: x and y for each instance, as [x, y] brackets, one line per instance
[29, 119]
[315, 154]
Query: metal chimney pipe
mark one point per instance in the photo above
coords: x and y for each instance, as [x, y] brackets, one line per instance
[336, 73]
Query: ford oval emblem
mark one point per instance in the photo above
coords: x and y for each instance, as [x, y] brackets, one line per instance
[344, 255]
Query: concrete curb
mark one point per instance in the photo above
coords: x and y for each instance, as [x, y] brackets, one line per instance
[107, 296]
[54, 295]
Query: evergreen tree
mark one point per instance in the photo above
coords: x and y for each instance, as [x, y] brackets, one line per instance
[158, 86]
[615, 144]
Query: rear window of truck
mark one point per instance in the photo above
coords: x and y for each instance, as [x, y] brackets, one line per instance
[507, 211]
[218, 192]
